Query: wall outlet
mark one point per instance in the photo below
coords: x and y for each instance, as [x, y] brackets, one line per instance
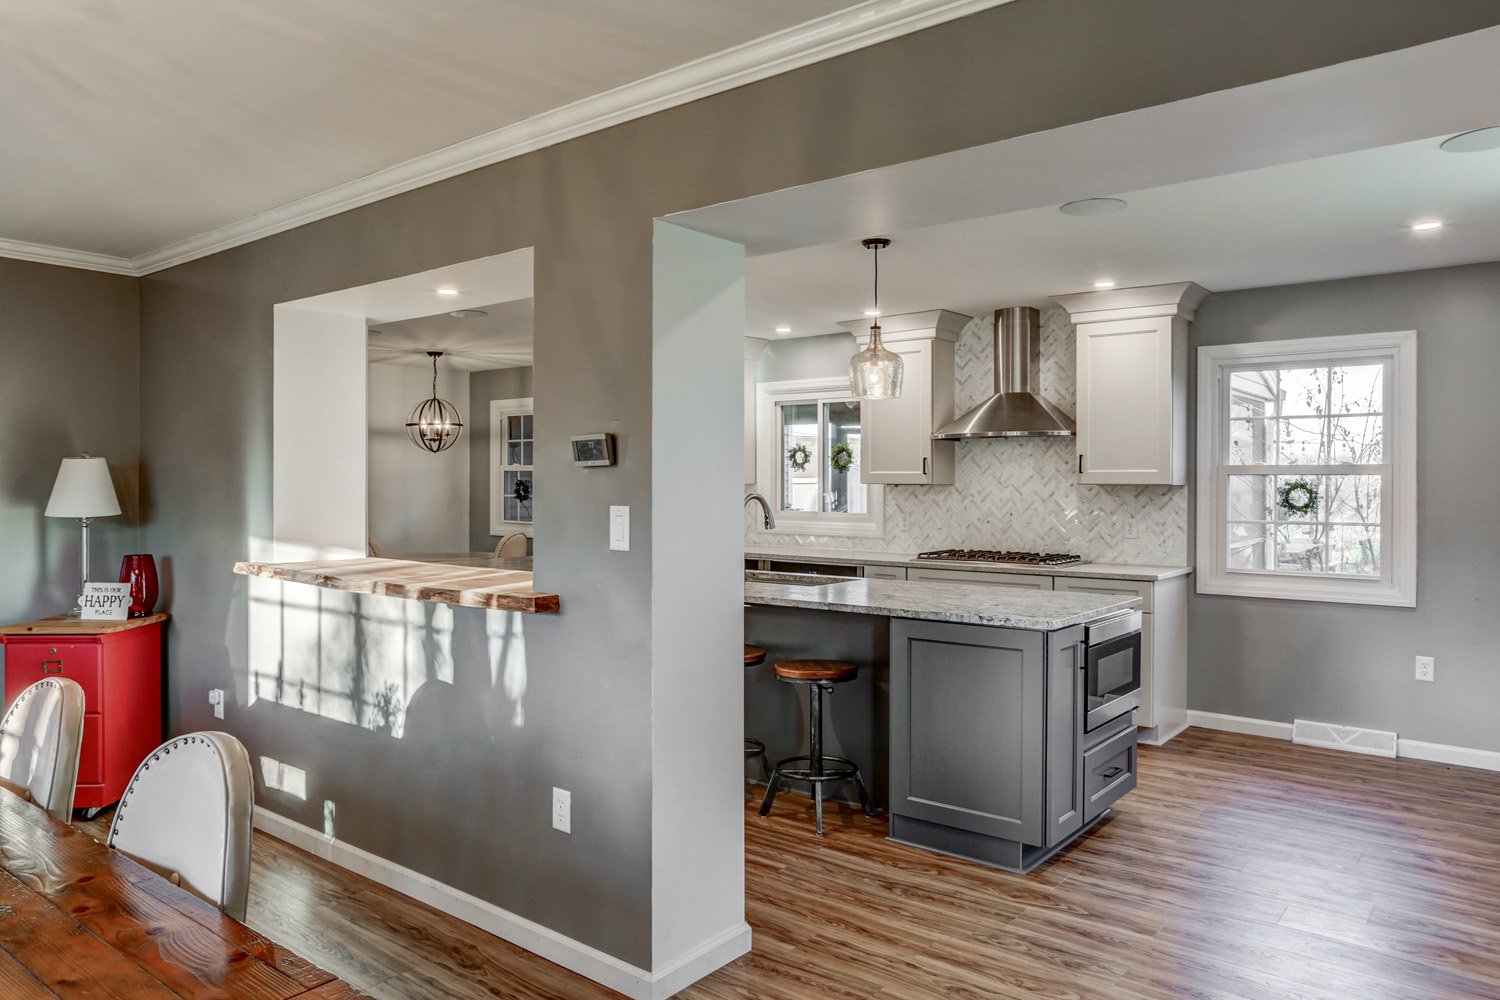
[216, 699]
[562, 810]
[619, 529]
[1132, 530]
[1426, 668]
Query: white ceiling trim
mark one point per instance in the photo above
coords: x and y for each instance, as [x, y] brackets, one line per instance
[861, 26]
[43, 254]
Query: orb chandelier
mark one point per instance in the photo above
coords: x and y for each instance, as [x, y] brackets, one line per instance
[875, 372]
[435, 424]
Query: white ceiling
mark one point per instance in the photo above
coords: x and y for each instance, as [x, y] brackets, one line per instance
[143, 132]
[1312, 176]
[1333, 217]
[500, 339]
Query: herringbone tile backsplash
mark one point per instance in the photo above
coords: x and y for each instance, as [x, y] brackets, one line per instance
[1020, 493]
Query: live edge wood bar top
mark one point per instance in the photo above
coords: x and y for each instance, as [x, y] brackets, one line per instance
[80, 921]
[67, 625]
[484, 583]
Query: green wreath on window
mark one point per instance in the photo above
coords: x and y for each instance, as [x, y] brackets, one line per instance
[522, 490]
[1298, 497]
[799, 456]
[841, 457]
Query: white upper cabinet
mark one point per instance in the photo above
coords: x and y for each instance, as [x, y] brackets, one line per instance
[753, 348]
[1132, 382]
[896, 443]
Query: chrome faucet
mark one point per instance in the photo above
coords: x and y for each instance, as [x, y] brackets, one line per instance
[770, 518]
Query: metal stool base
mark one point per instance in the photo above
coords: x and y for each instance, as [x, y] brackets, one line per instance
[756, 749]
[816, 774]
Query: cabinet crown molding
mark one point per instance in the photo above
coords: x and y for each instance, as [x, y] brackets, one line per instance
[934, 324]
[1180, 298]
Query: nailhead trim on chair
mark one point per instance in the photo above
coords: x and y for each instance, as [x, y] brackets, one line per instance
[157, 754]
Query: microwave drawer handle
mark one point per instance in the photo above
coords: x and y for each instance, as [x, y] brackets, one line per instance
[1112, 772]
[49, 668]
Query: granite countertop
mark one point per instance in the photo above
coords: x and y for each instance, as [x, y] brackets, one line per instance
[1105, 571]
[962, 603]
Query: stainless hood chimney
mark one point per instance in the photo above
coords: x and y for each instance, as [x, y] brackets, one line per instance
[1016, 409]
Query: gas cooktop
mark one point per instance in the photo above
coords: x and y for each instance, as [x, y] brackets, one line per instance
[1003, 556]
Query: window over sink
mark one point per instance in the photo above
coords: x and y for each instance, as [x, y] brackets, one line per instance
[808, 439]
[1306, 469]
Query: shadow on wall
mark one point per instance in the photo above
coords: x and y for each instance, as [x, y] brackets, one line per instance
[383, 664]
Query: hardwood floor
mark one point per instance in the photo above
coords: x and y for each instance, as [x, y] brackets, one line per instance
[1240, 869]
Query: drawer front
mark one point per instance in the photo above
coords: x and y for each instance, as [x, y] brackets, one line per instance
[979, 576]
[885, 572]
[1134, 588]
[91, 751]
[1108, 772]
[28, 662]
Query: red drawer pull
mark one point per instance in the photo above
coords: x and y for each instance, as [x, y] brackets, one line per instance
[47, 668]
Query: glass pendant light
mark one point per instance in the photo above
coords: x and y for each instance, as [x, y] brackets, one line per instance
[434, 424]
[875, 373]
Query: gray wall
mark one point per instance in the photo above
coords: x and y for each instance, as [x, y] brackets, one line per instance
[501, 383]
[474, 808]
[418, 501]
[1282, 660]
[69, 384]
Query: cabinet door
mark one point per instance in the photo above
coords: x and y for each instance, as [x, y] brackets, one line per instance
[1023, 580]
[968, 728]
[1131, 401]
[1065, 698]
[896, 434]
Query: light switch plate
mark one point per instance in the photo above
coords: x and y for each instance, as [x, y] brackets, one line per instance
[619, 529]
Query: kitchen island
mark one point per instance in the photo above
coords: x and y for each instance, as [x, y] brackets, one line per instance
[968, 715]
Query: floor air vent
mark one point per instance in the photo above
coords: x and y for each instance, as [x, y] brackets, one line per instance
[1351, 738]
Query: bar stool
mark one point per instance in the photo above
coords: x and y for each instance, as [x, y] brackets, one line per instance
[754, 657]
[815, 767]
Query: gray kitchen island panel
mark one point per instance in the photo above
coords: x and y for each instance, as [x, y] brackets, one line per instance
[967, 748]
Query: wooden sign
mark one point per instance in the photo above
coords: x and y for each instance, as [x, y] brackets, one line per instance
[104, 602]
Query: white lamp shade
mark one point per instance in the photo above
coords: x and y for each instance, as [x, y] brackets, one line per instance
[83, 489]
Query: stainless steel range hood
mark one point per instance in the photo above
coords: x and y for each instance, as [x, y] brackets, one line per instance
[1016, 409]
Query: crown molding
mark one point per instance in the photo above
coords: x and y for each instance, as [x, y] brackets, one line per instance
[857, 27]
[43, 254]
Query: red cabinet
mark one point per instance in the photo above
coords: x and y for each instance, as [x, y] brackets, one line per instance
[119, 667]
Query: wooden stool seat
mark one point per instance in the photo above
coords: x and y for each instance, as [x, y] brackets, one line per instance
[826, 671]
[754, 655]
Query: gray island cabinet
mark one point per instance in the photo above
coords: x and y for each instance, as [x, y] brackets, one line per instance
[988, 759]
[987, 754]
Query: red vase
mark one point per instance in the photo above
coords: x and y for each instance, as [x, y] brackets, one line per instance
[139, 570]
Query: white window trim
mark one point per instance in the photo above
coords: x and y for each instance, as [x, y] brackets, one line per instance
[499, 410]
[1398, 586]
[768, 468]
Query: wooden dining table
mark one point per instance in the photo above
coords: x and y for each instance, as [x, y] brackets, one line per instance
[78, 919]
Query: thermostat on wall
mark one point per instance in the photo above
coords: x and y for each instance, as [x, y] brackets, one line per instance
[594, 449]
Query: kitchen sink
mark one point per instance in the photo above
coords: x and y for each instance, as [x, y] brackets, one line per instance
[796, 579]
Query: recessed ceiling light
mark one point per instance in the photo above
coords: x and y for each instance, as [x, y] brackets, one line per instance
[1475, 141]
[783, 329]
[468, 313]
[1426, 227]
[1104, 283]
[448, 290]
[872, 312]
[1092, 206]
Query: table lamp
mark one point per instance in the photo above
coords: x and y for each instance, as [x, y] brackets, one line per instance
[85, 491]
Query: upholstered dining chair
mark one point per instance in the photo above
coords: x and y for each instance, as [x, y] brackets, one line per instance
[40, 739]
[186, 816]
[513, 544]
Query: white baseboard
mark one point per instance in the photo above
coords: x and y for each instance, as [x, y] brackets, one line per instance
[587, 961]
[1240, 724]
[1442, 753]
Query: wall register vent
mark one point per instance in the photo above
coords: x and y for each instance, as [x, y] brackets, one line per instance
[1375, 742]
